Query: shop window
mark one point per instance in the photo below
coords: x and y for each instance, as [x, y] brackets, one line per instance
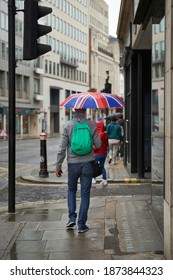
[25, 124]
[1, 121]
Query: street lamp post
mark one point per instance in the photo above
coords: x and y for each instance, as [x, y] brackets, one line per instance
[12, 113]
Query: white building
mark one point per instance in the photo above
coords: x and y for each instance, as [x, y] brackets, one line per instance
[27, 121]
[158, 68]
[82, 52]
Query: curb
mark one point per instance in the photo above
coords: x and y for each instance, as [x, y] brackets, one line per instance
[44, 181]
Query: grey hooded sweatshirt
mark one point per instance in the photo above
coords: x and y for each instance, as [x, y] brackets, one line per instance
[64, 144]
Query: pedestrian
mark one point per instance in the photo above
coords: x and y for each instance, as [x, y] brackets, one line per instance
[79, 167]
[113, 130]
[121, 146]
[100, 154]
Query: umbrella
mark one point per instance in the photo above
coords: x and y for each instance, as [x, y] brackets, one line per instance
[93, 100]
[114, 115]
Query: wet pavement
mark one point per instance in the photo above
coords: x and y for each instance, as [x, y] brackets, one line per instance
[121, 226]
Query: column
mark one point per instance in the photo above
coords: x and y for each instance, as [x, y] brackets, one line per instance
[168, 199]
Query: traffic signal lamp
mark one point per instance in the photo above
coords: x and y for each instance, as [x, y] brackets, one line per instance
[33, 30]
[108, 87]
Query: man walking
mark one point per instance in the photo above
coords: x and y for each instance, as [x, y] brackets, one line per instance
[113, 130]
[79, 167]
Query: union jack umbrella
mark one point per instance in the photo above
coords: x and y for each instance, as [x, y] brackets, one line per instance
[93, 100]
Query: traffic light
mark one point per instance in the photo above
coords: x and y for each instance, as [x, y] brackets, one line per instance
[33, 30]
[108, 87]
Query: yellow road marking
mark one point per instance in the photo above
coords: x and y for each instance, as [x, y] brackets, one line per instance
[3, 168]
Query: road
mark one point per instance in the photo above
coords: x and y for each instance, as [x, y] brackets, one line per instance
[27, 156]
[28, 159]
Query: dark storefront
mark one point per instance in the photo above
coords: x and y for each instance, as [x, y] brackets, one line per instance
[138, 111]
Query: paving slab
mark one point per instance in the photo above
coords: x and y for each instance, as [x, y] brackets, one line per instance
[120, 228]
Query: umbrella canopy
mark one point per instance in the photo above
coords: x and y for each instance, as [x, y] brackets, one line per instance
[93, 100]
[113, 115]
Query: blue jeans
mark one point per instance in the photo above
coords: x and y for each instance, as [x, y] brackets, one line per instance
[101, 159]
[84, 171]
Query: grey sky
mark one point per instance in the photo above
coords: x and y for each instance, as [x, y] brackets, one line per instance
[114, 6]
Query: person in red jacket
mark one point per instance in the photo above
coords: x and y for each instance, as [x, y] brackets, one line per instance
[101, 153]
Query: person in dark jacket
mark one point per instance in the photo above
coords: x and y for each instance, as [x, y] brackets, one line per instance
[100, 154]
[113, 130]
[121, 146]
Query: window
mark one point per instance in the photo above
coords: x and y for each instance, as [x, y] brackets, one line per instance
[18, 28]
[77, 14]
[50, 67]
[65, 28]
[64, 6]
[2, 79]
[57, 46]
[57, 24]
[3, 21]
[162, 25]
[162, 69]
[53, 45]
[61, 25]
[3, 50]
[37, 86]
[53, 21]
[57, 68]
[68, 29]
[18, 79]
[162, 51]
[64, 71]
[156, 49]
[61, 49]
[46, 66]
[57, 3]
[54, 68]
[157, 71]
[26, 86]
[156, 28]
[64, 51]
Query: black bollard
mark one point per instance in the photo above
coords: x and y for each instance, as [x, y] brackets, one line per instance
[43, 156]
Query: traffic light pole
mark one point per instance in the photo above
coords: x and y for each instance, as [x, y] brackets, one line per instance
[11, 113]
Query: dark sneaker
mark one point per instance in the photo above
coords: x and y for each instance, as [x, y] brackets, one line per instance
[83, 229]
[110, 160]
[70, 225]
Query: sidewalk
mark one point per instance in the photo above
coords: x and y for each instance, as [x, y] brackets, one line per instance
[121, 227]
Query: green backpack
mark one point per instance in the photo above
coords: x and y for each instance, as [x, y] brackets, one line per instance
[81, 141]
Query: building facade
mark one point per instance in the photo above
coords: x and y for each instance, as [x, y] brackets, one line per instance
[27, 107]
[79, 58]
[81, 53]
[145, 33]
